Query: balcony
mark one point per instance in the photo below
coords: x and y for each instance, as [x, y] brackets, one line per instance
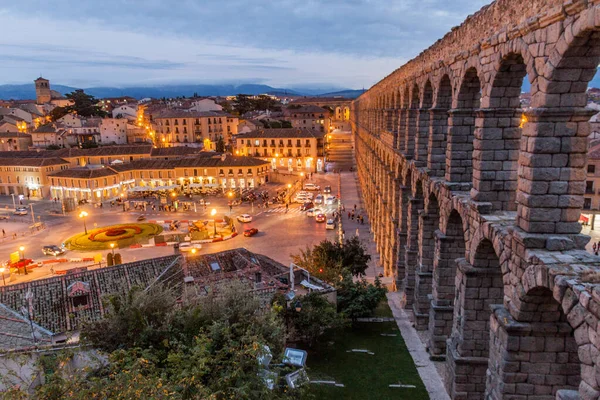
[289, 145]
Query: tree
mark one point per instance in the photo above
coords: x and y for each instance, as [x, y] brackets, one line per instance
[243, 104]
[314, 316]
[53, 147]
[220, 145]
[57, 113]
[84, 104]
[358, 298]
[88, 144]
[286, 124]
[328, 260]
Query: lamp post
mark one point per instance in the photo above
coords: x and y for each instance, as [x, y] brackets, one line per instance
[82, 215]
[112, 247]
[22, 250]
[2, 269]
[14, 204]
[213, 212]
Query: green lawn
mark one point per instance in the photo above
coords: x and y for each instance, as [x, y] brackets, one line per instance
[364, 376]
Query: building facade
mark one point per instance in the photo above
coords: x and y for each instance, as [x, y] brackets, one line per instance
[179, 127]
[308, 117]
[28, 176]
[289, 149]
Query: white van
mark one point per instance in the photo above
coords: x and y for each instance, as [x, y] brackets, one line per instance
[311, 187]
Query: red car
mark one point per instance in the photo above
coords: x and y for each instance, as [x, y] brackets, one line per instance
[250, 232]
[320, 217]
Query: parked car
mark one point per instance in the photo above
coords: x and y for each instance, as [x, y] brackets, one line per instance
[307, 206]
[250, 232]
[313, 212]
[320, 218]
[311, 187]
[141, 218]
[330, 224]
[244, 218]
[319, 199]
[301, 199]
[52, 250]
[4, 217]
[188, 247]
[327, 190]
[20, 211]
[330, 200]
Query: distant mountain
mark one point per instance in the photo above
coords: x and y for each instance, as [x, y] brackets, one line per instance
[27, 91]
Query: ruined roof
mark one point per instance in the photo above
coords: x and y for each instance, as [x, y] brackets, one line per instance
[16, 331]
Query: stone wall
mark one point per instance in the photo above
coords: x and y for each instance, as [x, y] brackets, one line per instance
[475, 202]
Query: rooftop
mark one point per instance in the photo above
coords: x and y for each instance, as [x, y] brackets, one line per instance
[16, 331]
[282, 133]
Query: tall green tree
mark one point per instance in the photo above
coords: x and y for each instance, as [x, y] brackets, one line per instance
[358, 298]
[220, 145]
[84, 104]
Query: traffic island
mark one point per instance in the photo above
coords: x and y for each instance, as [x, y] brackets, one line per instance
[121, 235]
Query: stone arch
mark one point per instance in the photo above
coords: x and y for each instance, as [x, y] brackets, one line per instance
[429, 222]
[411, 122]
[449, 246]
[438, 123]
[497, 137]
[423, 122]
[459, 150]
[544, 339]
[402, 119]
[478, 287]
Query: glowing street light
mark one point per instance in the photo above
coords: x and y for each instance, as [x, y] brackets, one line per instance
[2, 269]
[82, 215]
[193, 251]
[213, 212]
[112, 247]
[22, 250]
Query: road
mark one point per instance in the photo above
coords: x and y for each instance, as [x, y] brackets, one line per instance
[280, 234]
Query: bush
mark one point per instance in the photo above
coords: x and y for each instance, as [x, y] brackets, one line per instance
[357, 299]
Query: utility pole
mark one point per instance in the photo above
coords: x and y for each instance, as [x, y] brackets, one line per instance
[32, 215]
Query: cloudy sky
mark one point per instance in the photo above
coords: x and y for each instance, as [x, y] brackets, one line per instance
[341, 43]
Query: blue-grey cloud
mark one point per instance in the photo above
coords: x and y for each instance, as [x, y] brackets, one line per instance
[363, 27]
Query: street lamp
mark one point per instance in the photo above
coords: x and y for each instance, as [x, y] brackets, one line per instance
[193, 251]
[112, 247]
[82, 215]
[213, 212]
[22, 250]
[2, 269]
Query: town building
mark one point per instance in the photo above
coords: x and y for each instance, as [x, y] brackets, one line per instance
[45, 95]
[28, 176]
[292, 149]
[203, 128]
[49, 135]
[113, 131]
[15, 141]
[309, 117]
[204, 170]
[128, 110]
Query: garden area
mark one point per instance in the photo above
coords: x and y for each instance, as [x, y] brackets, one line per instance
[364, 374]
[121, 235]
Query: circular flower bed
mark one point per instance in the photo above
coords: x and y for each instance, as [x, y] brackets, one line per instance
[122, 235]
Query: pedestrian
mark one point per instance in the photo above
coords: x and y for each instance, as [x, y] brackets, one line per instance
[287, 206]
[343, 208]
[362, 219]
[348, 214]
[3, 233]
[343, 235]
[355, 206]
[357, 232]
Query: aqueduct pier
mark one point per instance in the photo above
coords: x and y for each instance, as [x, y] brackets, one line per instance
[475, 202]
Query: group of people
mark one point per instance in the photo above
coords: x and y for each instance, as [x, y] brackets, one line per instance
[353, 213]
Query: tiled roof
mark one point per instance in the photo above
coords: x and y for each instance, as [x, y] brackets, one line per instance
[16, 331]
[306, 109]
[30, 162]
[175, 151]
[46, 128]
[105, 151]
[14, 135]
[201, 160]
[281, 133]
[84, 173]
[171, 113]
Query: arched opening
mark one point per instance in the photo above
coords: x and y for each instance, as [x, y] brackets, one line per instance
[459, 151]
[411, 123]
[436, 161]
[449, 247]
[547, 353]
[403, 121]
[405, 194]
[422, 139]
[559, 107]
[479, 286]
[429, 222]
[415, 205]
[497, 137]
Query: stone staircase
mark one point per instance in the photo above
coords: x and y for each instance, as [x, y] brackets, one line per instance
[341, 151]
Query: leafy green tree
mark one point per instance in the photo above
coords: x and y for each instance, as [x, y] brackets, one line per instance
[243, 104]
[53, 147]
[220, 145]
[89, 145]
[84, 104]
[358, 298]
[58, 112]
[286, 124]
[328, 260]
[314, 316]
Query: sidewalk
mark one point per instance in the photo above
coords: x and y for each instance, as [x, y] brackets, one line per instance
[350, 196]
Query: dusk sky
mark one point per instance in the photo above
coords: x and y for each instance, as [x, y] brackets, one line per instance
[341, 43]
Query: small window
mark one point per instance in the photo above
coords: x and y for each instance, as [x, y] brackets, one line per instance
[80, 301]
[591, 169]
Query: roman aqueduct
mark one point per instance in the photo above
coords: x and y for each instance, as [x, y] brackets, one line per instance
[475, 202]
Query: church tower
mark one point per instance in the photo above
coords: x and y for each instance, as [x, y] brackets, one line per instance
[42, 91]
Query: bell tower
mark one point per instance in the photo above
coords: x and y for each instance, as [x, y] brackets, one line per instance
[42, 91]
